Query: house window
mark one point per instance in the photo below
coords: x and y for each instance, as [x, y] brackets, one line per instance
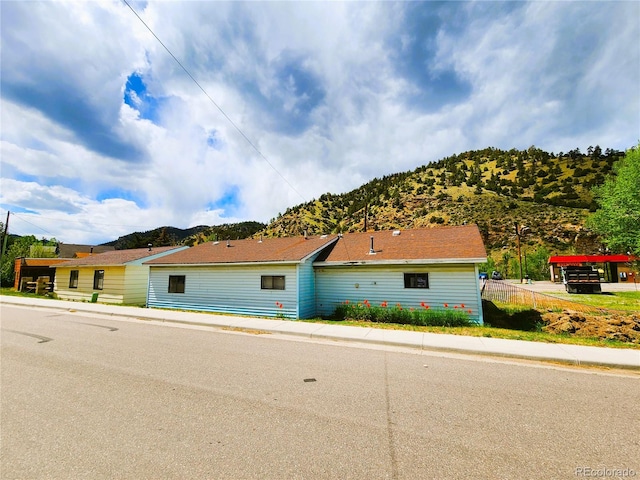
[176, 283]
[272, 282]
[416, 280]
[98, 279]
[73, 278]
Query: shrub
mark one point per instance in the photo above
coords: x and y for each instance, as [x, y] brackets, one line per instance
[455, 316]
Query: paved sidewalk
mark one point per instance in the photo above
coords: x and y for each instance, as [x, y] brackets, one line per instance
[549, 352]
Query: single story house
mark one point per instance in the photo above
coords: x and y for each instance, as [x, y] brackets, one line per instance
[117, 276]
[266, 277]
[612, 268]
[304, 277]
[416, 268]
[27, 270]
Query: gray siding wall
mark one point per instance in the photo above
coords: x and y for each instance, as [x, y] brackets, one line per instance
[450, 284]
[226, 289]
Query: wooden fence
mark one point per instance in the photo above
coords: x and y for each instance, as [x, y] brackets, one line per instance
[504, 292]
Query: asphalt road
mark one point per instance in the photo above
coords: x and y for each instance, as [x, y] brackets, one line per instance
[93, 397]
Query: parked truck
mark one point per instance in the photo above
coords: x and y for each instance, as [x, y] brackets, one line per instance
[581, 279]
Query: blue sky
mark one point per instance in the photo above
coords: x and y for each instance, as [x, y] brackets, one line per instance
[103, 133]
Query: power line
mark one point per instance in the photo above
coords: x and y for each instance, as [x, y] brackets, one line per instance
[15, 215]
[214, 103]
[83, 222]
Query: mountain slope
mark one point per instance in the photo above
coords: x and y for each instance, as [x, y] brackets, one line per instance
[165, 236]
[550, 194]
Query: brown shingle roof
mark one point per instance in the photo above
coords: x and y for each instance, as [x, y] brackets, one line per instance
[116, 257]
[441, 244]
[71, 250]
[286, 249]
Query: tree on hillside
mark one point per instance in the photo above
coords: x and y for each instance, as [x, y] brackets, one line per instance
[618, 216]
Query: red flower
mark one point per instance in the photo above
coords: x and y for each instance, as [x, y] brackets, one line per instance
[446, 305]
[469, 311]
[455, 306]
[384, 304]
[462, 305]
[346, 302]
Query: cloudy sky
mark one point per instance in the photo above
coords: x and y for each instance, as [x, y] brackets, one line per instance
[104, 133]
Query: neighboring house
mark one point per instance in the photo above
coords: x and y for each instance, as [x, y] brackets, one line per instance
[28, 270]
[73, 250]
[117, 276]
[612, 268]
[416, 268]
[306, 277]
[267, 277]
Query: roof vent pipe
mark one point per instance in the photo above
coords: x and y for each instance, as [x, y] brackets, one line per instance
[371, 250]
[91, 251]
[149, 245]
[228, 243]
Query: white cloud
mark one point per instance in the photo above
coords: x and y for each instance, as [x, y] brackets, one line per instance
[332, 94]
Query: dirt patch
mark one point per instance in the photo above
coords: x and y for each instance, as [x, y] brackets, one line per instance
[525, 320]
[621, 327]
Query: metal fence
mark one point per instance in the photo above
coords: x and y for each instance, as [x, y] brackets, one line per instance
[504, 292]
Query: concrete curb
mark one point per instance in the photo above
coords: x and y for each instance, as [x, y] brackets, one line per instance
[628, 359]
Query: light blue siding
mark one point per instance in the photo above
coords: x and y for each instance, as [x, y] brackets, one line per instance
[306, 290]
[226, 289]
[452, 284]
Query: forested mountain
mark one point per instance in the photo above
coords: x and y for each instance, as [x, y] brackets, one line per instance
[549, 194]
[165, 236]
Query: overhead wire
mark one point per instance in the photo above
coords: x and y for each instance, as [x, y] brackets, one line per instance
[238, 129]
[21, 218]
[15, 215]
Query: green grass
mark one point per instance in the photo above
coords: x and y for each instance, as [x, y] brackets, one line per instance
[621, 301]
[489, 332]
[472, 331]
[13, 293]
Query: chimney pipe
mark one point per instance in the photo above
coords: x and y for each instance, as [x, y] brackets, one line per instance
[371, 250]
[91, 251]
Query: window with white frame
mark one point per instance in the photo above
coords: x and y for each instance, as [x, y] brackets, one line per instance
[98, 279]
[176, 283]
[272, 282]
[416, 280]
[73, 278]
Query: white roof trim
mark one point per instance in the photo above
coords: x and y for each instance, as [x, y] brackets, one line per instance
[225, 264]
[422, 261]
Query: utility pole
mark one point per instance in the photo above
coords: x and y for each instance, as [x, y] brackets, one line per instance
[4, 237]
[519, 232]
[366, 208]
[519, 252]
